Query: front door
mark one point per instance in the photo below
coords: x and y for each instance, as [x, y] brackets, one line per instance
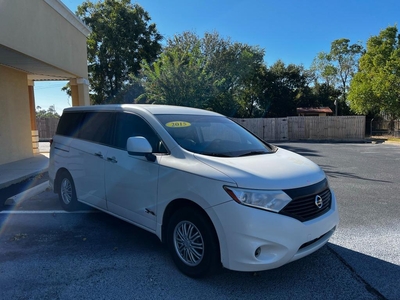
[132, 181]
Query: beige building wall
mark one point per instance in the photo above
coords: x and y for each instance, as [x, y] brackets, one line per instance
[35, 29]
[39, 40]
[15, 127]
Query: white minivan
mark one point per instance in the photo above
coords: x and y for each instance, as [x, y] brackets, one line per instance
[212, 191]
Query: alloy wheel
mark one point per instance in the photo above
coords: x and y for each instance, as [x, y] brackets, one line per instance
[188, 242]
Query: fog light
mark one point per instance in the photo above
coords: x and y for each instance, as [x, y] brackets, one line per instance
[258, 251]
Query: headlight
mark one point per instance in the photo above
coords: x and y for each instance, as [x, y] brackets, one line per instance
[269, 200]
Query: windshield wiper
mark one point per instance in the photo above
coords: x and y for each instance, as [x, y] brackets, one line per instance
[253, 153]
[215, 154]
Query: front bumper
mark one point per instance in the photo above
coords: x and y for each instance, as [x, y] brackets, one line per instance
[257, 240]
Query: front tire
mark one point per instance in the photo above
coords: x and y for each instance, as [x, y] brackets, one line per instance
[193, 243]
[67, 192]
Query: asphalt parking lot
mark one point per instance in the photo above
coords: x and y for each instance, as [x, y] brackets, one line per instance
[46, 253]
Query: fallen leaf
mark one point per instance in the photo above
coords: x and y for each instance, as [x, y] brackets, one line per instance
[19, 236]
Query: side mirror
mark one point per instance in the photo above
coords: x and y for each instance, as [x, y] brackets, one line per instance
[140, 146]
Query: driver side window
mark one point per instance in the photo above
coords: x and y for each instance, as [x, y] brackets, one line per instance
[128, 125]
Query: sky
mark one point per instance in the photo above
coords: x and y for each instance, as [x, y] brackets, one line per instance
[294, 31]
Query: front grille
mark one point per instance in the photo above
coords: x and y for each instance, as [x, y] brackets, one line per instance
[303, 207]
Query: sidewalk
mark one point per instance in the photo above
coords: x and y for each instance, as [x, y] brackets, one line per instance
[20, 170]
[24, 176]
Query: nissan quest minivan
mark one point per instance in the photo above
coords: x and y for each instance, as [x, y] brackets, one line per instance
[212, 191]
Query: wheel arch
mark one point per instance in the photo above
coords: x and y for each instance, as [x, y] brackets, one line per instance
[185, 207]
[178, 204]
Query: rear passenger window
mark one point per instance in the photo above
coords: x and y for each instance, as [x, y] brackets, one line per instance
[96, 127]
[70, 124]
[129, 125]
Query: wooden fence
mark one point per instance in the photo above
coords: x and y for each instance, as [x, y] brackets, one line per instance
[307, 128]
[274, 129]
[384, 127]
[46, 127]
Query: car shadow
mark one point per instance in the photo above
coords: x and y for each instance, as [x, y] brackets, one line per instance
[299, 150]
[102, 246]
[333, 271]
[364, 267]
[330, 171]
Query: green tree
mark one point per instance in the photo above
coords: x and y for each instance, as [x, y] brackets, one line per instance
[325, 95]
[253, 99]
[338, 67]
[121, 38]
[177, 78]
[210, 73]
[346, 56]
[49, 113]
[324, 69]
[286, 88]
[376, 86]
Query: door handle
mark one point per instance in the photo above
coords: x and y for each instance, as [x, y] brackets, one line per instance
[98, 154]
[112, 159]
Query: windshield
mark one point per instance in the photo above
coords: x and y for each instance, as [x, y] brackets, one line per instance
[212, 135]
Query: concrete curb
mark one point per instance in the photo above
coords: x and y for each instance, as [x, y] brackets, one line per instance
[28, 193]
[332, 141]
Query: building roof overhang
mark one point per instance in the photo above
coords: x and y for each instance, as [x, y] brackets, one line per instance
[35, 68]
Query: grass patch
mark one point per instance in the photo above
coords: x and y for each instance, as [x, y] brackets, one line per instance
[393, 139]
[384, 138]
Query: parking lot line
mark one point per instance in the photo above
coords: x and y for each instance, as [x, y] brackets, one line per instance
[13, 212]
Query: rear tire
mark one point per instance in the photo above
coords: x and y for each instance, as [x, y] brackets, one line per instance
[67, 192]
[193, 243]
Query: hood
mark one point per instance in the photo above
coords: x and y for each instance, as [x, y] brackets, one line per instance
[279, 170]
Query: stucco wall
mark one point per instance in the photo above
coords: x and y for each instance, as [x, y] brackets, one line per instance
[15, 124]
[43, 34]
